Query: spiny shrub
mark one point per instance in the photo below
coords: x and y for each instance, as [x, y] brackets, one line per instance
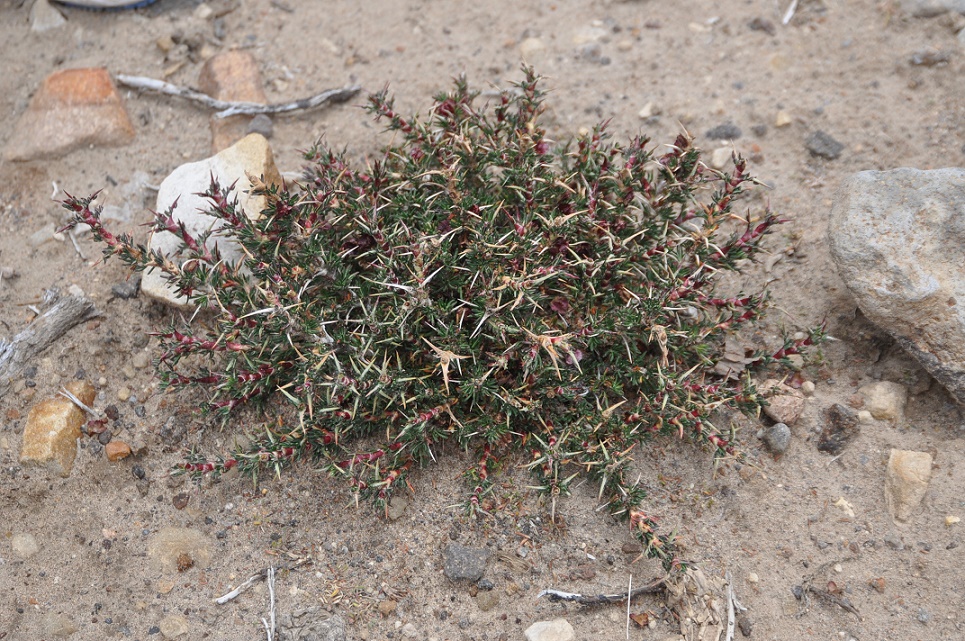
[477, 284]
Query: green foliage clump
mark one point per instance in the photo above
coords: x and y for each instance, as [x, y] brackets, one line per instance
[478, 284]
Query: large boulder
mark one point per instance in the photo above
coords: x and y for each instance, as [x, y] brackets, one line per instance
[898, 239]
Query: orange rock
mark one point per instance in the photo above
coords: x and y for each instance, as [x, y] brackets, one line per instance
[53, 427]
[233, 76]
[73, 108]
[117, 450]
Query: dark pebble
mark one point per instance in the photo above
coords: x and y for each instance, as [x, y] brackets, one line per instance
[841, 426]
[140, 411]
[138, 472]
[104, 437]
[824, 146]
[112, 412]
[30, 372]
[762, 24]
[128, 289]
[180, 500]
[80, 374]
[798, 592]
[777, 438]
[463, 563]
[727, 131]
[759, 130]
[154, 630]
[223, 534]
[261, 124]
[485, 584]
[745, 625]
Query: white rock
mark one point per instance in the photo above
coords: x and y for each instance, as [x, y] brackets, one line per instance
[885, 400]
[782, 119]
[44, 17]
[865, 417]
[807, 387]
[720, 157]
[896, 238]
[174, 626]
[906, 482]
[250, 155]
[555, 630]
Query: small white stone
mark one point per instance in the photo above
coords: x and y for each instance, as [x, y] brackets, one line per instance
[25, 545]
[885, 400]
[951, 520]
[720, 157]
[782, 119]
[865, 417]
[753, 578]
[123, 394]
[808, 388]
[838, 568]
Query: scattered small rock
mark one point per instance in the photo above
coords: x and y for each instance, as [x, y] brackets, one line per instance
[487, 600]
[745, 625]
[128, 289]
[929, 58]
[174, 626]
[140, 360]
[906, 482]
[261, 124]
[807, 388]
[762, 24]
[409, 631]
[397, 507]
[464, 563]
[171, 542]
[124, 394]
[782, 119]
[726, 131]
[387, 607]
[53, 427]
[885, 400]
[721, 156]
[44, 17]
[74, 108]
[841, 426]
[180, 500]
[58, 625]
[117, 450]
[777, 438]
[24, 545]
[784, 403]
[555, 630]
[824, 146]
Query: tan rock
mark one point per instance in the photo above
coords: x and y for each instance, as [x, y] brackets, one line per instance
[784, 403]
[232, 76]
[117, 450]
[249, 156]
[44, 17]
[73, 108]
[53, 427]
[885, 400]
[906, 482]
[174, 626]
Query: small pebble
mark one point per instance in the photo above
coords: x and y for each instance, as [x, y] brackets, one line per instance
[951, 520]
[838, 568]
[782, 119]
[141, 360]
[753, 578]
[808, 388]
[123, 394]
[261, 124]
[180, 500]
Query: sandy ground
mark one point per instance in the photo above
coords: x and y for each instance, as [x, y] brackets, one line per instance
[841, 67]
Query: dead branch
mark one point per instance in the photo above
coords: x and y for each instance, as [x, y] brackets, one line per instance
[40, 334]
[600, 599]
[228, 108]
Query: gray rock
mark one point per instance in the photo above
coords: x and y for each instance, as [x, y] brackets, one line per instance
[898, 240]
[931, 8]
[727, 131]
[824, 146]
[777, 438]
[464, 564]
[261, 124]
[841, 426]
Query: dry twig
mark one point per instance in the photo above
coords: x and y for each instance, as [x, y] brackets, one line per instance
[600, 599]
[228, 108]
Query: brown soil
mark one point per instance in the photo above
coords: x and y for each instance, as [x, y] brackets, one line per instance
[841, 67]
